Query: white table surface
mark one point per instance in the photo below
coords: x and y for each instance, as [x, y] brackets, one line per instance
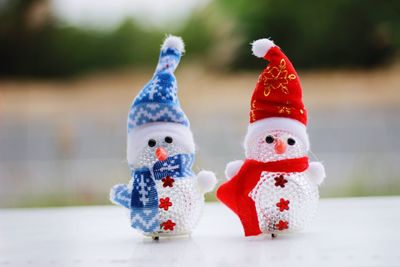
[347, 232]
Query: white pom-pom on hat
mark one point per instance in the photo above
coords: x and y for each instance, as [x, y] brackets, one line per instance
[206, 181]
[172, 41]
[261, 46]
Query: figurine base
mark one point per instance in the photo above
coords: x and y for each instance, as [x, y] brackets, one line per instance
[157, 236]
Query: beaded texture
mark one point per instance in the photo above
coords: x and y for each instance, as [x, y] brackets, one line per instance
[295, 203]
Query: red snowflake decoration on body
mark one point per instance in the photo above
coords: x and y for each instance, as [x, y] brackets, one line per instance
[165, 203]
[282, 225]
[168, 225]
[167, 181]
[280, 181]
[283, 204]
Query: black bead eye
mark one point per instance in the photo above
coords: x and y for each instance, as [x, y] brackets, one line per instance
[291, 141]
[269, 139]
[152, 143]
[168, 139]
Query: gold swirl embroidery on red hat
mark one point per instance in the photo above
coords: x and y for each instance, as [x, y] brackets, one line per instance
[283, 109]
[252, 113]
[276, 77]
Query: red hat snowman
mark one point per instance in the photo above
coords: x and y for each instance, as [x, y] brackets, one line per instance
[275, 189]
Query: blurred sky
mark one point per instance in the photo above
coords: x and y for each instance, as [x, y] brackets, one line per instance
[108, 14]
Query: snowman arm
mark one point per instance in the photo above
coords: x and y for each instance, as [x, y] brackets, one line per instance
[316, 172]
[232, 168]
[120, 194]
[206, 181]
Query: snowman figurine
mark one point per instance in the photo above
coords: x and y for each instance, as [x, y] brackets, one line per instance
[164, 195]
[275, 189]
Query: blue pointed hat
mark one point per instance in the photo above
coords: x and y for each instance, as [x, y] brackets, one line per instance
[158, 100]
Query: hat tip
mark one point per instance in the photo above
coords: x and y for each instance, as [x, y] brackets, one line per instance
[261, 46]
[175, 42]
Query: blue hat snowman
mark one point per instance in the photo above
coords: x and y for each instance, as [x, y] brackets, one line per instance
[158, 100]
[160, 153]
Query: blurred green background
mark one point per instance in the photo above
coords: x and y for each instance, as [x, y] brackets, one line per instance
[70, 68]
[34, 42]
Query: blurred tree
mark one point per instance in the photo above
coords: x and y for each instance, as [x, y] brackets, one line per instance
[23, 16]
[319, 32]
[314, 33]
[32, 43]
[22, 25]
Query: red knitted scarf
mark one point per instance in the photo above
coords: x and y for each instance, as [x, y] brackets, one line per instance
[235, 192]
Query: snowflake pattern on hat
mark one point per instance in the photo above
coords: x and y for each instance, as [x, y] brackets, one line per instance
[158, 100]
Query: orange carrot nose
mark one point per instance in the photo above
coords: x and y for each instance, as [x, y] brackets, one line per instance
[280, 146]
[161, 153]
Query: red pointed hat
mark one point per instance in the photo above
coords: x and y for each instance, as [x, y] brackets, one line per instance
[278, 91]
[277, 98]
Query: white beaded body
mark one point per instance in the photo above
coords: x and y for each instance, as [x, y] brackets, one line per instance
[296, 196]
[186, 208]
[285, 201]
[180, 199]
